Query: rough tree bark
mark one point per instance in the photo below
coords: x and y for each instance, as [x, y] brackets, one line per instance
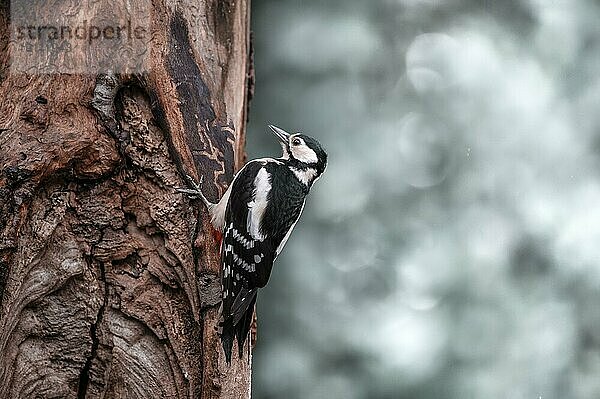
[109, 279]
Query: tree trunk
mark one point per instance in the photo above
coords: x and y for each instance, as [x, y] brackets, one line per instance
[109, 278]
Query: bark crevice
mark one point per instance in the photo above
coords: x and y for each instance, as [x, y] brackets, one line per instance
[84, 376]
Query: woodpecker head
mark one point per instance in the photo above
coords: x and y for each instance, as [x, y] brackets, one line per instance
[304, 154]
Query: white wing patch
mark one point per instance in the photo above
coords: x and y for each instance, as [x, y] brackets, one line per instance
[218, 210]
[289, 232]
[258, 205]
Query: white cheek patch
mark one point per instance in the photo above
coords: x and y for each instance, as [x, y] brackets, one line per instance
[304, 154]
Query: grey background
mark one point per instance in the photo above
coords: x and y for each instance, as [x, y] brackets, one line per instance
[452, 249]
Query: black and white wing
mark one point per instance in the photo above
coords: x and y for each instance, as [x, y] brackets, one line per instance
[262, 211]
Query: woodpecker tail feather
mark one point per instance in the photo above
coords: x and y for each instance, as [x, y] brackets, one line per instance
[229, 331]
[227, 334]
[243, 327]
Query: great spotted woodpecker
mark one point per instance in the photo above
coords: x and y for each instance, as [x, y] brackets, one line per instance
[256, 216]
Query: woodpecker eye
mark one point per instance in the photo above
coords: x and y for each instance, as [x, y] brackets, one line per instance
[296, 142]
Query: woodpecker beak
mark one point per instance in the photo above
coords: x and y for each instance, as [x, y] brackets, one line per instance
[281, 134]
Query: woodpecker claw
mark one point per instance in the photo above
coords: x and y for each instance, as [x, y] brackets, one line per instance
[189, 192]
[196, 191]
[192, 182]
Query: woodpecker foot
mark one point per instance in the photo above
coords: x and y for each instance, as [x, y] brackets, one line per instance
[195, 192]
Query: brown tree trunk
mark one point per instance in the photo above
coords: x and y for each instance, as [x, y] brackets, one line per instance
[109, 279]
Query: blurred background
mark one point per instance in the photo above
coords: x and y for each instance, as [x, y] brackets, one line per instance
[452, 249]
